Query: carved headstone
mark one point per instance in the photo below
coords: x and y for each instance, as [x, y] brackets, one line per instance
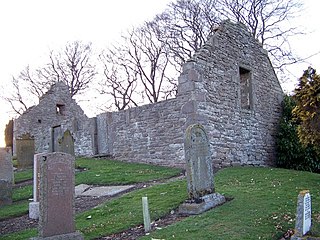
[25, 150]
[303, 217]
[66, 143]
[198, 162]
[199, 173]
[57, 197]
[6, 176]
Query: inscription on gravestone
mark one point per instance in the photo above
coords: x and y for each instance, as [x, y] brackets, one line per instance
[307, 213]
[57, 197]
[303, 216]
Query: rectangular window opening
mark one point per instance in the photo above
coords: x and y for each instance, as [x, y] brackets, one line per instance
[60, 109]
[245, 88]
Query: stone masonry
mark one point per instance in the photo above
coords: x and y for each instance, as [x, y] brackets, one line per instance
[229, 87]
[56, 110]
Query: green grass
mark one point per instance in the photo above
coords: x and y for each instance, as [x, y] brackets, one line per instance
[23, 175]
[110, 172]
[263, 207]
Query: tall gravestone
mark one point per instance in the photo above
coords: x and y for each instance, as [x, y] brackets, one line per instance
[199, 173]
[56, 197]
[25, 150]
[303, 215]
[6, 176]
[66, 143]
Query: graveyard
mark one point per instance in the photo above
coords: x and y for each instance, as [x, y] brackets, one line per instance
[261, 203]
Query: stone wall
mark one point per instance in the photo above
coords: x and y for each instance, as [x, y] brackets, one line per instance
[151, 133]
[229, 87]
[241, 118]
[56, 108]
[239, 134]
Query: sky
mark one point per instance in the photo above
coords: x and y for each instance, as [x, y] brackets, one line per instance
[30, 28]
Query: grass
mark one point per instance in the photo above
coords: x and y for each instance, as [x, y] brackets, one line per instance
[263, 207]
[109, 172]
[24, 175]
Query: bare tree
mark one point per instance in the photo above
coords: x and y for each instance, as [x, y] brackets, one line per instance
[120, 80]
[136, 71]
[184, 27]
[73, 66]
[268, 22]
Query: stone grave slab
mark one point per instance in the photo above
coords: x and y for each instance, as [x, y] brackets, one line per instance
[6, 176]
[66, 143]
[6, 166]
[25, 150]
[56, 219]
[81, 188]
[303, 215]
[105, 191]
[200, 179]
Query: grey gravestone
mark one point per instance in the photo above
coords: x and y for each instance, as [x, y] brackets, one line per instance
[303, 217]
[6, 176]
[56, 219]
[25, 151]
[66, 143]
[199, 173]
[34, 205]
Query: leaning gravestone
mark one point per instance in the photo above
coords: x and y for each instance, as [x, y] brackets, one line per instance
[6, 176]
[56, 218]
[199, 173]
[25, 150]
[303, 217]
[66, 143]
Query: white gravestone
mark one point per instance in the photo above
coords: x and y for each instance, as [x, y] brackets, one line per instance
[306, 213]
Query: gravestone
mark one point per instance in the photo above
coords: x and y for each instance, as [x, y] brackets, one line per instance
[56, 218]
[34, 205]
[303, 215]
[25, 150]
[199, 173]
[66, 143]
[6, 176]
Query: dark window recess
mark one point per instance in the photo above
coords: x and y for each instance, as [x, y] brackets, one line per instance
[245, 88]
[39, 120]
[60, 109]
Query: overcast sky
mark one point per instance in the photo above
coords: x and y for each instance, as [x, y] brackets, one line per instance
[30, 28]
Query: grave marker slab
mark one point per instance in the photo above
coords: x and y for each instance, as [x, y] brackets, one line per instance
[199, 173]
[66, 143]
[56, 220]
[6, 166]
[303, 216]
[25, 150]
[6, 176]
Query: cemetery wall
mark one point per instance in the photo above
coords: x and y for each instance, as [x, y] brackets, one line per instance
[56, 110]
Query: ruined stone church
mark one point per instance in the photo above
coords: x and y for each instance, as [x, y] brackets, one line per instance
[229, 86]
